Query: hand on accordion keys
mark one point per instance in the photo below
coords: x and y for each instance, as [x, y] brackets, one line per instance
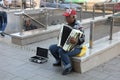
[73, 40]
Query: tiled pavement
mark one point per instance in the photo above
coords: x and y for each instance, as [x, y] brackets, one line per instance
[15, 65]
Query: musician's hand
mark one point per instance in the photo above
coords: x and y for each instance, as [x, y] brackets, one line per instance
[73, 40]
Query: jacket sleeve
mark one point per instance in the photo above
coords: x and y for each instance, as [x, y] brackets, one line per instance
[81, 39]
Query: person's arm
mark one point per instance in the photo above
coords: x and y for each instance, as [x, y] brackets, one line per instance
[25, 28]
[81, 38]
[33, 27]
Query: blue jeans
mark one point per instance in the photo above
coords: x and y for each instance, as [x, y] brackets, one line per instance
[64, 56]
[4, 26]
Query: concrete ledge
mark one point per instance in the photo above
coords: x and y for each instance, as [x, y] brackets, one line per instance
[103, 51]
[32, 36]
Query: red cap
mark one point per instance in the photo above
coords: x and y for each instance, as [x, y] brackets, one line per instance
[69, 12]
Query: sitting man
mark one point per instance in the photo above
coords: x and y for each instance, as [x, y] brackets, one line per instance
[29, 26]
[64, 56]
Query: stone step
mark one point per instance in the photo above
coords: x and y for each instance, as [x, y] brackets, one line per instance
[103, 50]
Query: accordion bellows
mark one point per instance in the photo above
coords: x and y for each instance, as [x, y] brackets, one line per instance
[64, 37]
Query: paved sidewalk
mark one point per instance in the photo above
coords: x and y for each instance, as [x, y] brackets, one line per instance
[14, 65]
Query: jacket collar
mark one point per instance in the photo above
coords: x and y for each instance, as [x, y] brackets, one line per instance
[72, 24]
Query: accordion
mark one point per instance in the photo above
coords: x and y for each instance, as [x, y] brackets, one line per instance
[64, 37]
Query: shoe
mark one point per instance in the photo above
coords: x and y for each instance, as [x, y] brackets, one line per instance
[67, 71]
[2, 35]
[57, 63]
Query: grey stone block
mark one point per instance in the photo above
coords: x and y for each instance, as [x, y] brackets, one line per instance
[35, 35]
[100, 54]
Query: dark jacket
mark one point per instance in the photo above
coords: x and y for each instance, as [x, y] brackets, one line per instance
[31, 27]
[76, 25]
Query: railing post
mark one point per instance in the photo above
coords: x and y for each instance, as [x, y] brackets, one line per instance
[21, 23]
[113, 9]
[71, 4]
[81, 14]
[33, 4]
[93, 12]
[21, 6]
[57, 4]
[111, 27]
[20, 14]
[46, 11]
[15, 4]
[85, 6]
[30, 4]
[104, 10]
[91, 34]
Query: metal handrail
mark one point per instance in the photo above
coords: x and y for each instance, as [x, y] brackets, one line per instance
[108, 2]
[34, 20]
[92, 26]
[111, 3]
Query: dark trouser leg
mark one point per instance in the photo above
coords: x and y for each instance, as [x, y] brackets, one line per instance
[65, 58]
[54, 51]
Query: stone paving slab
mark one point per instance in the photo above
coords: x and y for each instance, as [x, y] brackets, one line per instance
[14, 65]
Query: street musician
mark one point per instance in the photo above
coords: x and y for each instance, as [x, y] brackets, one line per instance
[61, 56]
